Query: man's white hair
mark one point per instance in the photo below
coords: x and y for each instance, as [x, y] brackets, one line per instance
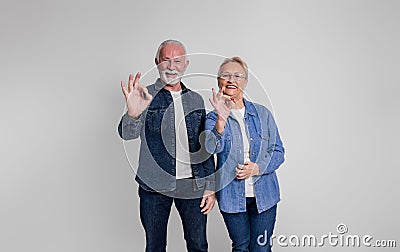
[167, 42]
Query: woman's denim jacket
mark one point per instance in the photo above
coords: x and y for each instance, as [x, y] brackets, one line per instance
[265, 149]
[156, 128]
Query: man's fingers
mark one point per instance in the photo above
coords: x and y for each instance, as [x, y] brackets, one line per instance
[148, 96]
[124, 89]
[208, 207]
[209, 204]
[136, 81]
[203, 201]
[144, 92]
[208, 201]
[130, 83]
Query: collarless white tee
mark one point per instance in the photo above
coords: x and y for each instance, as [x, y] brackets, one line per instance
[239, 115]
[183, 167]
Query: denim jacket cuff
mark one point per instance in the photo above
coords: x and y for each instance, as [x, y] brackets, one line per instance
[209, 185]
[128, 120]
[218, 136]
[215, 141]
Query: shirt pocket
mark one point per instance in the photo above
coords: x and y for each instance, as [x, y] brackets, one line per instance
[263, 143]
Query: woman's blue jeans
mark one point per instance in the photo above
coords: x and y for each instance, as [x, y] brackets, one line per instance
[247, 230]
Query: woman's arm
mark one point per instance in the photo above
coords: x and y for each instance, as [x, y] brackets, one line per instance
[214, 141]
[272, 152]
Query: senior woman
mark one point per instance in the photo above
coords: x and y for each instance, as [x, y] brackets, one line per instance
[245, 138]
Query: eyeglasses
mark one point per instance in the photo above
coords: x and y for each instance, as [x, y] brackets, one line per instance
[228, 76]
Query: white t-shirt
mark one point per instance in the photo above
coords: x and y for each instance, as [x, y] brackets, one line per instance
[239, 115]
[183, 168]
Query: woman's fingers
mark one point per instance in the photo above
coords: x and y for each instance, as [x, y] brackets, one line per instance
[226, 98]
[215, 98]
[220, 92]
[240, 172]
[212, 103]
[243, 171]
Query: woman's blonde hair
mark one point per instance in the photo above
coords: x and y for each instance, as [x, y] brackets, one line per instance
[236, 60]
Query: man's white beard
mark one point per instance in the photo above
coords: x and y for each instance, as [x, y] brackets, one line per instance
[170, 80]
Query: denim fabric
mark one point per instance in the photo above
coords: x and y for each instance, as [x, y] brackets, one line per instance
[251, 231]
[266, 150]
[155, 209]
[156, 129]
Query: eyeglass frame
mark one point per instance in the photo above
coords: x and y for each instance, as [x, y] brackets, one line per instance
[236, 76]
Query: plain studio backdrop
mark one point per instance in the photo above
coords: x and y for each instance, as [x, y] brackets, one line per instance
[330, 69]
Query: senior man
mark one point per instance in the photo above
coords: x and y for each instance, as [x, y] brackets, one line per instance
[173, 167]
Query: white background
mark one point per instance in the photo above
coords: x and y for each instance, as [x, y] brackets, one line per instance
[329, 67]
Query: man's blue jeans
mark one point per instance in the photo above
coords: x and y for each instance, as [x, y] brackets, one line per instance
[247, 230]
[155, 209]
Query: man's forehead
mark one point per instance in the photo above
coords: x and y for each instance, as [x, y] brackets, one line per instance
[172, 51]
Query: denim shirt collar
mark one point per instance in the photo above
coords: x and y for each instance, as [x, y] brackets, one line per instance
[250, 110]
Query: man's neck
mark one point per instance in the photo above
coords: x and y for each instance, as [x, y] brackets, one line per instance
[174, 87]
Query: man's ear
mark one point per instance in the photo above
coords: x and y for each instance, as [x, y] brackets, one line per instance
[186, 64]
[156, 61]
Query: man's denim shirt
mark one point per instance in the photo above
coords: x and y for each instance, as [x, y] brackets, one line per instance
[156, 128]
[265, 149]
